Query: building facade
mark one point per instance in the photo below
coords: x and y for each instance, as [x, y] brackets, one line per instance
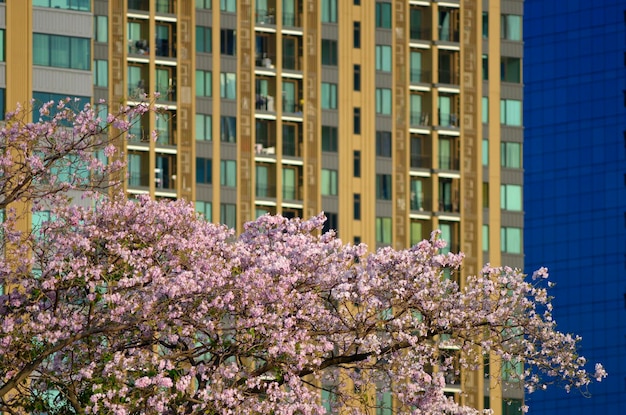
[394, 117]
[575, 189]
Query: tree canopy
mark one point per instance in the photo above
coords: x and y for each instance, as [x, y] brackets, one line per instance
[141, 306]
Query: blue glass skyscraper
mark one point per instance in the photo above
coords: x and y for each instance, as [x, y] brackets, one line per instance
[575, 183]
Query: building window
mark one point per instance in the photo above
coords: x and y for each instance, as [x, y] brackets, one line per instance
[80, 5]
[204, 127]
[486, 195]
[511, 69]
[228, 215]
[329, 139]
[204, 172]
[356, 206]
[485, 68]
[203, 83]
[203, 4]
[331, 222]
[228, 129]
[485, 238]
[357, 78]
[511, 27]
[511, 240]
[228, 85]
[383, 58]
[228, 6]
[416, 232]
[485, 152]
[485, 109]
[383, 186]
[383, 15]
[3, 46]
[511, 112]
[383, 230]
[356, 163]
[357, 2]
[383, 101]
[2, 103]
[383, 143]
[511, 155]
[203, 39]
[356, 120]
[228, 42]
[329, 182]
[100, 29]
[228, 173]
[329, 11]
[512, 407]
[511, 197]
[416, 74]
[61, 51]
[329, 95]
[356, 33]
[101, 73]
[136, 165]
[485, 25]
[205, 209]
[329, 52]
[290, 180]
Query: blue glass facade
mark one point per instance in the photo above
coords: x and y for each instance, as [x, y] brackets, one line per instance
[575, 183]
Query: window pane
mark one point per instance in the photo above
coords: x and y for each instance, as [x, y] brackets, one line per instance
[60, 51]
[80, 54]
[329, 11]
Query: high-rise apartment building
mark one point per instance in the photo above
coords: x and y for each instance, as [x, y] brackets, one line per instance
[575, 183]
[394, 117]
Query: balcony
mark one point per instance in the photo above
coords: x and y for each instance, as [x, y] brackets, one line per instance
[164, 46]
[420, 196]
[292, 52]
[265, 13]
[448, 30]
[265, 186]
[265, 138]
[265, 50]
[449, 195]
[420, 152]
[292, 140]
[420, 23]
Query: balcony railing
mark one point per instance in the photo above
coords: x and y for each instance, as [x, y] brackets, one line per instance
[265, 17]
[419, 118]
[291, 19]
[265, 190]
[265, 103]
[449, 35]
[449, 206]
[165, 48]
[420, 76]
[420, 161]
[138, 179]
[449, 120]
[448, 77]
[264, 60]
[448, 163]
[420, 33]
[420, 203]
[290, 105]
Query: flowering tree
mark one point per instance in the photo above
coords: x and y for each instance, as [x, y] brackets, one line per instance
[67, 149]
[130, 307]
